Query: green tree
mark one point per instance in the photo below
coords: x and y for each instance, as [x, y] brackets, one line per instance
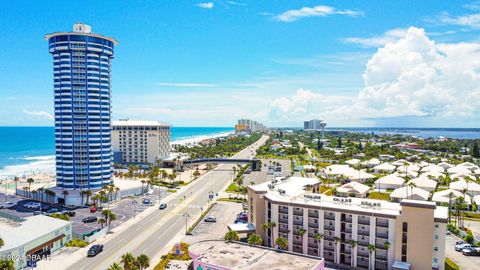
[128, 261]
[266, 227]
[88, 193]
[231, 236]
[7, 265]
[254, 239]
[30, 181]
[339, 142]
[60, 216]
[318, 238]
[115, 266]
[476, 151]
[143, 261]
[353, 244]
[371, 249]
[281, 242]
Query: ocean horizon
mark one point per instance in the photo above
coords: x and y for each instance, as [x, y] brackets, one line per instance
[32, 148]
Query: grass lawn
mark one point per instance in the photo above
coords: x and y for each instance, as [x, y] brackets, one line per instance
[451, 265]
[471, 215]
[379, 196]
[233, 188]
[235, 200]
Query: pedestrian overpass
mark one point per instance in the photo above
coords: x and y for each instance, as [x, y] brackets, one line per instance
[255, 163]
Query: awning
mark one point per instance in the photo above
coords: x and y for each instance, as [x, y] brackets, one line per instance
[40, 247]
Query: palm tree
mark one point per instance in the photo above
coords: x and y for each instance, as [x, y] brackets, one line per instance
[101, 221]
[336, 240]
[7, 264]
[254, 239]
[40, 191]
[143, 182]
[143, 261]
[65, 194]
[16, 179]
[115, 266]
[34, 193]
[88, 193]
[467, 180]
[386, 245]
[410, 185]
[353, 244]
[318, 238]
[82, 193]
[269, 226]
[231, 236]
[450, 195]
[128, 261]
[281, 242]
[30, 181]
[371, 249]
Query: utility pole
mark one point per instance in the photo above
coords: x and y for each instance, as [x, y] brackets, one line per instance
[134, 203]
[186, 215]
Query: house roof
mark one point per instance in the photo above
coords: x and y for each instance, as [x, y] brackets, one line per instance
[353, 187]
[461, 184]
[443, 196]
[413, 193]
[423, 182]
[391, 179]
[384, 167]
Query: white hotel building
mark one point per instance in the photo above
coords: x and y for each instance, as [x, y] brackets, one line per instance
[140, 142]
[414, 230]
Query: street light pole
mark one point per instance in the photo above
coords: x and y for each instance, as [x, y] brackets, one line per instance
[186, 215]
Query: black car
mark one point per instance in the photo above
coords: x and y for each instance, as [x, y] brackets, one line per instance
[89, 219]
[69, 213]
[94, 250]
[162, 206]
[53, 210]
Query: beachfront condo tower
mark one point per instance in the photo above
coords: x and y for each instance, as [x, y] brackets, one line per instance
[81, 73]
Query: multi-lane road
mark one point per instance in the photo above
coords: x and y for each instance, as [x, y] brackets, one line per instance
[151, 233]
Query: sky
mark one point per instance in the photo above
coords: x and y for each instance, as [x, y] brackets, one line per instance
[208, 63]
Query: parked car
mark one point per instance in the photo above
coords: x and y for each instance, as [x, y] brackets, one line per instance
[53, 210]
[32, 205]
[463, 246]
[473, 251]
[270, 172]
[210, 219]
[90, 219]
[93, 209]
[240, 221]
[69, 213]
[460, 242]
[94, 250]
[36, 213]
[7, 205]
[248, 171]
[162, 206]
[147, 202]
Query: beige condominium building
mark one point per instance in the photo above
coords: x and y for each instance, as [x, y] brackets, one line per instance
[357, 232]
[140, 141]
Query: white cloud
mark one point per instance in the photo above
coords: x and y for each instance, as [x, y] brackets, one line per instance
[235, 3]
[412, 77]
[207, 5]
[40, 114]
[317, 11]
[185, 84]
[377, 41]
[470, 20]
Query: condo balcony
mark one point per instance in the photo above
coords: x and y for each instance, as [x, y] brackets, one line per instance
[298, 212]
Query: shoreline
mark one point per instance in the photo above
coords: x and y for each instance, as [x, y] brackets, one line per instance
[45, 164]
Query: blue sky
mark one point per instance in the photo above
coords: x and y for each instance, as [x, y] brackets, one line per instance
[208, 63]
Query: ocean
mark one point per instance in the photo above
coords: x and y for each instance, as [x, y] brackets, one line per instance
[454, 133]
[24, 150]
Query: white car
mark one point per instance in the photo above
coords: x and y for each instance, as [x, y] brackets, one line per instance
[7, 205]
[32, 205]
[463, 246]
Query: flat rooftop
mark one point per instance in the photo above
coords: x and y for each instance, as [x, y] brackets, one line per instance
[138, 123]
[293, 190]
[34, 227]
[242, 256]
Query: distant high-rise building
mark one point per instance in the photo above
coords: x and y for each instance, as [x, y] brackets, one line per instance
[249, 126]
[315, 125]
[140, 141]
[81, 68]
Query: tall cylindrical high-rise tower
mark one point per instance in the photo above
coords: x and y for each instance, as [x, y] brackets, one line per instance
[81, 68]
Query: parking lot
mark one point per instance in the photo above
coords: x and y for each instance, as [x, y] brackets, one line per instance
[123, 209]
[465, 262]
[225, 213]
[259, 177]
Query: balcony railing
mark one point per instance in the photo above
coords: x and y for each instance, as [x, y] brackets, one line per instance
[329, 217]
[329, 227]
[298, 222]
[313, 214]
[383, 224]
[283, 210]
[381, 235]
[298, 212]
[363, 232]
[363, 242]
[313, 225]
[283, 220]
[363, 221]
[284, 230]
